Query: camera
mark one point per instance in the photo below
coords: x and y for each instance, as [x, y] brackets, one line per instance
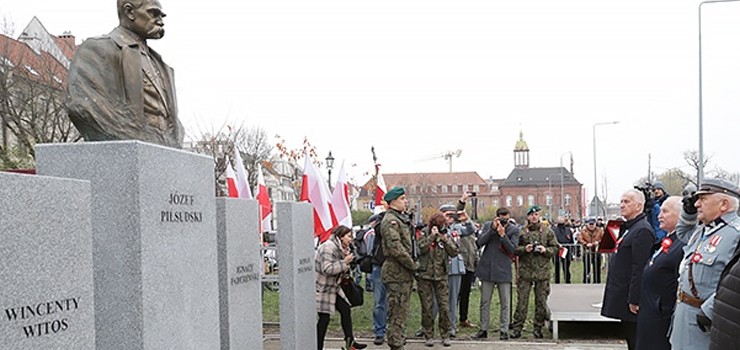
[536, 244]
[455, 216]
[503, 221]
[473, 194]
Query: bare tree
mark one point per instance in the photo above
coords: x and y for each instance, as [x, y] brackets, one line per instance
[32, 101]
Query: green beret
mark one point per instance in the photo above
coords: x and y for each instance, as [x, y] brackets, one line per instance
[393, 194]
[533, 209]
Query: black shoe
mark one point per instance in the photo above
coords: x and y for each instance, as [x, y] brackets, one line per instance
[480, 335]
[537, 333]
[516, 334]
[356, 345]
[378, 340]
[419, 333]
[503, 336]
[452, 336]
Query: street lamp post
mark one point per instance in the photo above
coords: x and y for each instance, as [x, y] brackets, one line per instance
[596, 191]
[549, 192]
[561, 211]
[700, 170]
[329, 166]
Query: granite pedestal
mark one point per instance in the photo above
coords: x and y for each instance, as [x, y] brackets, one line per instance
[46, 270]
[297, 287]
[154, 242]
[239, 270]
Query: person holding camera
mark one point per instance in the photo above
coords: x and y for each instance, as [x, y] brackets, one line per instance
[435, 247]
[469, 252]
[537, 245]
[459, 225]
[498, 240]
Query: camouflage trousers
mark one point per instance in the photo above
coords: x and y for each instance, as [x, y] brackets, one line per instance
[429, 291]
[541, 291]
[399, 295]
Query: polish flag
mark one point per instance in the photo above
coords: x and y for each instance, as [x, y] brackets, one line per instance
[231, 180]
[340, 200]
[315, 191]
[242, 179]
[380, 191]
[264, 200]
[563, 252]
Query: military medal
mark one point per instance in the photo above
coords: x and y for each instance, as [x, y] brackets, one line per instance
[713, 243]
[696, 258]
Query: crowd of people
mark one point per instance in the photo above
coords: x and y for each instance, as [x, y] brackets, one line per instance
[672, 289]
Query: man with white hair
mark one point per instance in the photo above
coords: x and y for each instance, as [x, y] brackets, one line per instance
[624, 280]
[710, 226]
[659, 282]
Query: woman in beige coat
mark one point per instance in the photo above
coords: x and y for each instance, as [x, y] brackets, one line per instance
[331, 264]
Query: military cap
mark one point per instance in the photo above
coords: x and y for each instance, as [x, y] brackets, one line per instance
[590, 221]
[393, 194]
[718, 186]
[447, 207]
[533, 209]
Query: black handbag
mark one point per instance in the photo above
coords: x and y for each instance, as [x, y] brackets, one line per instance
[353, 291]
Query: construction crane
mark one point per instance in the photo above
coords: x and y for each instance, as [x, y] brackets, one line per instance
[446, 155]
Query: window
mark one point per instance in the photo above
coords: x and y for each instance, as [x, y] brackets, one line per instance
[31, 70]
[549, 199]
[444, 188]
[494, 187]
[434, 189]
[567, 199]
[365, 206]
[476, 188]
[495, 203]
[454, 189]
[530, 200]
[508, 201]
[519, 200]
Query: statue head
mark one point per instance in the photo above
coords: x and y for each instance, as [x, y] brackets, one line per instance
[143, 17]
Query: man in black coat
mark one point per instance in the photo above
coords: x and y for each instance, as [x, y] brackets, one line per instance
[623, 283]
[565, 238]
[660, 282]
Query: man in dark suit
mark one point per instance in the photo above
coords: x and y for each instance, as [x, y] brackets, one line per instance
[624, 280]
[120, 89]
[660, 282]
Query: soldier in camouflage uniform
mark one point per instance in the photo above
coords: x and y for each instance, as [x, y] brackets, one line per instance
[399, 266]
[435, 247]
[537, 246]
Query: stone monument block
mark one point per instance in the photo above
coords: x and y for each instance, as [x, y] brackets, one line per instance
[154, 242]
[239, 272]
[295, 248]
[46, 264]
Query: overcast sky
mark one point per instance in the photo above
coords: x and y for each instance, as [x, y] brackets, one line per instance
[418, 78]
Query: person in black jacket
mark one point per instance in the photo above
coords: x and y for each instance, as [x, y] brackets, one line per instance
[660, 282]
[565, 238]
[725, 327]
[624, 280]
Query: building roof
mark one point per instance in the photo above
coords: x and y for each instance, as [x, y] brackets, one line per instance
[523, 177]
[27, 63]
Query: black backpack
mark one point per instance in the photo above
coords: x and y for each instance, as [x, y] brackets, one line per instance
[363, 254]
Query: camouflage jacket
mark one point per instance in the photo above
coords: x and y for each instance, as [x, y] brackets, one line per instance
[399, 266]
[536, 266]
[433, 255]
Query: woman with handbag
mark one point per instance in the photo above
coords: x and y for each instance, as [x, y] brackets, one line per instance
[331, 266]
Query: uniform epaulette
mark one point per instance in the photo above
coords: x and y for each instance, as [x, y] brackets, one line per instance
[735, 223]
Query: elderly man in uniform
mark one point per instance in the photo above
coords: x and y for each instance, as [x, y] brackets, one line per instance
[399, 266]
[537, 245]
[711, 228]
[659, 282]
[120, 89]
[624, 279]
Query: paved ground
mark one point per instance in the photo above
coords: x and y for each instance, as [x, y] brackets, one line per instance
[415, 344]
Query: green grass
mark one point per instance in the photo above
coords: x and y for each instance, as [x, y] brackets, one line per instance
[362, 316]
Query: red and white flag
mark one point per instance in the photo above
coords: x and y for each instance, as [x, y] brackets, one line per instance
[380, 191]
[264, 199]
[242, 179]
[563, 252]
[340, 200]
[231, 180]
[315, 191]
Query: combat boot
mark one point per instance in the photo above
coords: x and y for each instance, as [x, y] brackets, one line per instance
[537, 333]
[516, 334]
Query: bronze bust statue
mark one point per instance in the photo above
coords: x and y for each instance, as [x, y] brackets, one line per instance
[120, 89]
